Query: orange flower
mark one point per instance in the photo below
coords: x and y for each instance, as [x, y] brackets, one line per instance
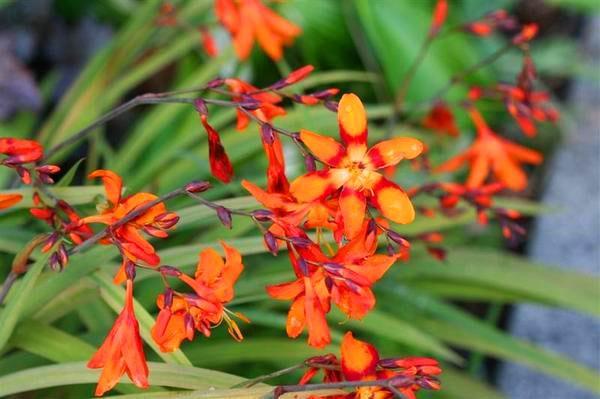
[248, 20]
[525, 104]
[288, 211]
[122, 351]
[220, 165]
[439, 16]
[360, 361]
[213, 288]
[155, 221]
[266, 107]
[354, 169]
[310, 302]
[441, 119]
[8, 200]
[345, 279]
[491, 154]
[20, 151]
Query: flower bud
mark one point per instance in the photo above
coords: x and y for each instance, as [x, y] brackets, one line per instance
[271, 243]
[303, 267]
[200, 106]
[398, 239]
[301, 242]
[310, 163]
[224, 216]
[249, 103]
[169, 271]
[168, 298]
[197, 186]
[217, 82]
[267, 133]
[331, 105]
[130, 270]
[262, 215]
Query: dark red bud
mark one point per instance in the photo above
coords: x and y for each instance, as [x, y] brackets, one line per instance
[397, 238]
[331, 105]
[217, 82]
[130, 270]
[200, 106]
[303, 267]
[262, 215]
[168, 298]
[63, 255]
[300, 242]
[249, 103]
[267, 133]
[197, 186]
[310, 163]
[271, 242]
[169, 271]
[54, 262]
[224, 216]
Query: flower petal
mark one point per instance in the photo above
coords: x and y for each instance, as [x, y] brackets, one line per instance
[359, 359]
[325, 148]
[314, 185]
[352, 119]
[393, 202]
[352, 206]
[390, 152]
[113, 184]
[8, 200]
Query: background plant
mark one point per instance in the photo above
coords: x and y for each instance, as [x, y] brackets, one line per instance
[63, 317]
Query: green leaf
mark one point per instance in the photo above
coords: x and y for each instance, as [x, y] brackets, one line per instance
[168, 375]
[68, 177]
[510, 273]
[10, 315]
[458, 328]
[49, 342]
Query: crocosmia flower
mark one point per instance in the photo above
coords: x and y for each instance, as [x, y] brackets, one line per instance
[353, 168]
[250, 20]
[182, 314]
[360, 361]
[154, 221]
[440, 119]
[490, 154]
[122, 351]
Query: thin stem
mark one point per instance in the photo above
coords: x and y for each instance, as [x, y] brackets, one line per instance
[266, 377]
[8, 282]
[410, 74]
[461, 76]
[144, 99]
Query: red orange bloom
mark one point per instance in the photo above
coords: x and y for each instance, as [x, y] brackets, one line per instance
[266, 102]
[354, 169]
[250, 20]
[213, 282]
[344, 279]
[122, 351]
[360, 361]
[439, 16]
[20, 150]
[8, 200]
[441, 119]
[491, 154]
[220, 165]
[155, 221]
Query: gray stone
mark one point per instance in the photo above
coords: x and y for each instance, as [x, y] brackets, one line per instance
[569, 238]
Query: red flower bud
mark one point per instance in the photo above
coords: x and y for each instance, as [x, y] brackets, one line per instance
[197, 186]
[271, 242]
[267, 133]
[224, 216]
